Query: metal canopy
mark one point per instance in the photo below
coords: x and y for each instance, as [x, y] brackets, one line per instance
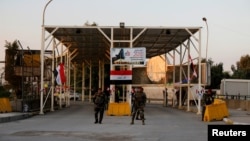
[93, 43]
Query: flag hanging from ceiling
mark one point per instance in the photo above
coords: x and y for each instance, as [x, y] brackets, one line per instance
[60, 75]
[192, 66]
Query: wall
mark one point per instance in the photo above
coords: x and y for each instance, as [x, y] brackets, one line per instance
[238, 104]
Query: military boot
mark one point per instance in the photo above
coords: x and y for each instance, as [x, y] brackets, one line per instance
[143, 122]
[96, 121]
[133, 118]
[132, 122]
[142, 118]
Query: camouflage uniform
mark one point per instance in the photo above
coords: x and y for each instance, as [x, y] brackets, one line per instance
[139, 104]
[99, 105]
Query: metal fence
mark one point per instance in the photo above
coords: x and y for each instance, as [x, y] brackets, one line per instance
[236, 97]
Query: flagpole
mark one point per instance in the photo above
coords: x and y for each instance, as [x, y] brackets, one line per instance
[201, 93]
[199, 76]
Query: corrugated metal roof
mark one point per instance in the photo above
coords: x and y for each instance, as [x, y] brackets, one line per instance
[94, 42]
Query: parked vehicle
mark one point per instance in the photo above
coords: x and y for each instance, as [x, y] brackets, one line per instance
[57, 98]
[235, 87]
[73, 95]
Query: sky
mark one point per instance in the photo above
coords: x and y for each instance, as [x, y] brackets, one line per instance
[228, 21]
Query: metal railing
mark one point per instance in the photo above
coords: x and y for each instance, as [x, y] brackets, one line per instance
[231, 96]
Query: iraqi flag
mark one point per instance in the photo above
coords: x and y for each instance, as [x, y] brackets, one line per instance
[60, 75]
[121, 76]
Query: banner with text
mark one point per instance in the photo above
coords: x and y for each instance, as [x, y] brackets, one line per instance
[128, 56]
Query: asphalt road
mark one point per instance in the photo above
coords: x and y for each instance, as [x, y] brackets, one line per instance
[76, 123]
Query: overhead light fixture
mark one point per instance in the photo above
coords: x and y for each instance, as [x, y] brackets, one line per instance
[78, 31]
[204, 19]
[168, 32]
[122, 24]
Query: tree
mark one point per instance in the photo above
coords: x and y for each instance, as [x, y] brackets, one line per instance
[3, 92]
[10, 59]
[242, 68]
[217, 74]
[226, 74]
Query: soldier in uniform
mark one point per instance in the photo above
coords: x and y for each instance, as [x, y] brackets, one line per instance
[132, 100]
[99, 101]
[207, 100]
[139, 104]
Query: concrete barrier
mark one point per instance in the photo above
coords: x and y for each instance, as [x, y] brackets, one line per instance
[216, 111]
[5, 105]
[119, 109]
[238, 104]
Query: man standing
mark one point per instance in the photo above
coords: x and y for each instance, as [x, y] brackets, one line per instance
[132, 100]
[99, 101]
[139, 104]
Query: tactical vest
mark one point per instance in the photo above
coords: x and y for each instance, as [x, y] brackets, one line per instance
[99, 99]
[139, 98]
